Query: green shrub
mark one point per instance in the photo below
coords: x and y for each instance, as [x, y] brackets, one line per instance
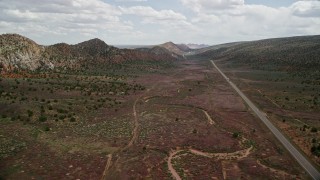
[236, 134]
[72, 119]
[30, 113]
[315, 150]
[314, 129]
[42, 118]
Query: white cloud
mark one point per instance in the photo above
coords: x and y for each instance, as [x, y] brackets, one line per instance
[200, 21]
[131, 0]
[153, 15]
[168, 20]
[211, 5]
[61, 17]
[306, 8]
[236, 21]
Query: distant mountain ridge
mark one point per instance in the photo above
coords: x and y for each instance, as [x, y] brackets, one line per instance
[197, 46]
[167, 49]
[20, 53]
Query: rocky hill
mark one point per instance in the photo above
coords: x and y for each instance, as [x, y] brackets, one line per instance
[176, 49]
[20, 53]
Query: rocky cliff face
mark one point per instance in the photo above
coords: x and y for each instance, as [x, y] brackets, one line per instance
[20, 53]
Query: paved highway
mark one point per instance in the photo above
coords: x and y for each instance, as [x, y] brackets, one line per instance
[313, 172]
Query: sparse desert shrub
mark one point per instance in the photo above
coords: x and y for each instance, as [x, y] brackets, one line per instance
[315, 150]
[42, 109]
[194, 131]
[236, 134]
[72, 119]
[42, 118]
[30, 113]
[61, 111]
[61, 117]
[314, 129]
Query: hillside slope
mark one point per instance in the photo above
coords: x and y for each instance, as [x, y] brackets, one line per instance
[284, 54]
[20, 53]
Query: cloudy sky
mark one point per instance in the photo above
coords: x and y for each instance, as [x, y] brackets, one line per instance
[157, 21]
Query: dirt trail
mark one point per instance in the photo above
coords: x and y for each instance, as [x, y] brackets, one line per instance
[281, 173]
[134, 133]
[136, 118]
[135, 129]
[136, 124]
[224, 156]
[221, 156]
[224, 172]
[209, 117]
[107, 166]
[170, 166]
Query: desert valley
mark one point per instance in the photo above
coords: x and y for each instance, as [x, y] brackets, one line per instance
[94, 111]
